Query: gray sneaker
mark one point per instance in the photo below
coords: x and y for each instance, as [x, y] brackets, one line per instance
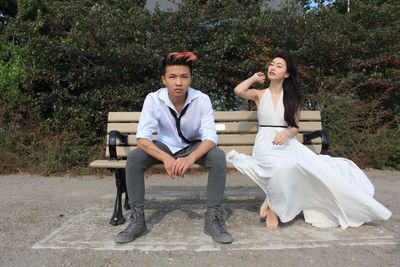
[214, 226]
[136, 228]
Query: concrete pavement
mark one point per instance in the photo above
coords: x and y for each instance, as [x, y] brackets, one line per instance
[63, 221]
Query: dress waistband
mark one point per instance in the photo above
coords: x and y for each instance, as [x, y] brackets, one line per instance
[272, 126]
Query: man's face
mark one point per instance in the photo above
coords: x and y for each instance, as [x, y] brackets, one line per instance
[177, 79]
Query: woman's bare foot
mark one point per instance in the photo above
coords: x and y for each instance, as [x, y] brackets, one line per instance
[272, 220]
[263, 209]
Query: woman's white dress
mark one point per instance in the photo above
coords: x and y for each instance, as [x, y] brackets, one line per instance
[330, 191]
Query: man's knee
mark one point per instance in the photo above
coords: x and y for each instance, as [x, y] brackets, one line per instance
[137, 157]
[216, 156]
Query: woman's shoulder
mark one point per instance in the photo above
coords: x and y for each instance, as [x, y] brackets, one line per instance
[261, 92]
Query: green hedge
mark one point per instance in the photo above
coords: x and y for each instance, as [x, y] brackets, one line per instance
[66, 64]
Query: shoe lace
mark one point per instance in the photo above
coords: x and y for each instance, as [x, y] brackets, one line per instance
[219, 218]
[134, 218]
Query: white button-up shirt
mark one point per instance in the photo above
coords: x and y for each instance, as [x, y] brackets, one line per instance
[197, 123]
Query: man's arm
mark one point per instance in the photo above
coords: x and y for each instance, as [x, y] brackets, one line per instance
[208, 136]
[150, 148]
[147, 125]
[182, 164]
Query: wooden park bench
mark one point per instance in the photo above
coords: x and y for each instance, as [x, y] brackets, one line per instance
[236, 130]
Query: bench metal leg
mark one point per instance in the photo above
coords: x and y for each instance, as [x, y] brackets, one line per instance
[126, 204]
[118, 217]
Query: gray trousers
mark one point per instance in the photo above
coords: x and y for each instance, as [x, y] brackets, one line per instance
[138, 161]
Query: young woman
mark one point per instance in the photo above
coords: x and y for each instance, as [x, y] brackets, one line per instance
[329, 191]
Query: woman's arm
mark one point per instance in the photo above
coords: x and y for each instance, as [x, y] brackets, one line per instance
[283, 136]
[243, 90]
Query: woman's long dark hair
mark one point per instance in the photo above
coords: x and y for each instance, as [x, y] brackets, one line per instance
[291, 92]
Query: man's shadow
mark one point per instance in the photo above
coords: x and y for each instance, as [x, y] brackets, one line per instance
[190, 210]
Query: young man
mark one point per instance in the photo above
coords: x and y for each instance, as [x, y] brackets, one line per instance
[186, 134]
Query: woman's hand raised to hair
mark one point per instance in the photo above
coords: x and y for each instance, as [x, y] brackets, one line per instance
[242, 89]
[258, 77]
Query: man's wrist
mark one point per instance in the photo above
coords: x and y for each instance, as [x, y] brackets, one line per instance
[165, 156]
[193, 157]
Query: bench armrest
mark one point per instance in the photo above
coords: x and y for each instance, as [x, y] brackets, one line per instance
[112, 143]
[308, 136]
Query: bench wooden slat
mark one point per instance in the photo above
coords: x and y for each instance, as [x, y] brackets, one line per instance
[120, 164]
[252, 127]
[235, 116]
[252, 115]
[229, 127]
[123, 116]
[242, 139]
[310, 115]
[127, 127]
[122, 151]
[110, 164]
[310, 126]
[219, 116]
[226, 139]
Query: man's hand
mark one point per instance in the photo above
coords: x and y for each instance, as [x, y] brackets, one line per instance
[182, 164]
[281, 137]
[169, 163]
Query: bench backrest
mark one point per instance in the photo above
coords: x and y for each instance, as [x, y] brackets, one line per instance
[236, 129]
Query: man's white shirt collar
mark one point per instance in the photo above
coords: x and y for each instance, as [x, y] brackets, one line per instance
[163, 96]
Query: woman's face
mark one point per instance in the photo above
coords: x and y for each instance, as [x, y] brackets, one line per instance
[277, 69]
